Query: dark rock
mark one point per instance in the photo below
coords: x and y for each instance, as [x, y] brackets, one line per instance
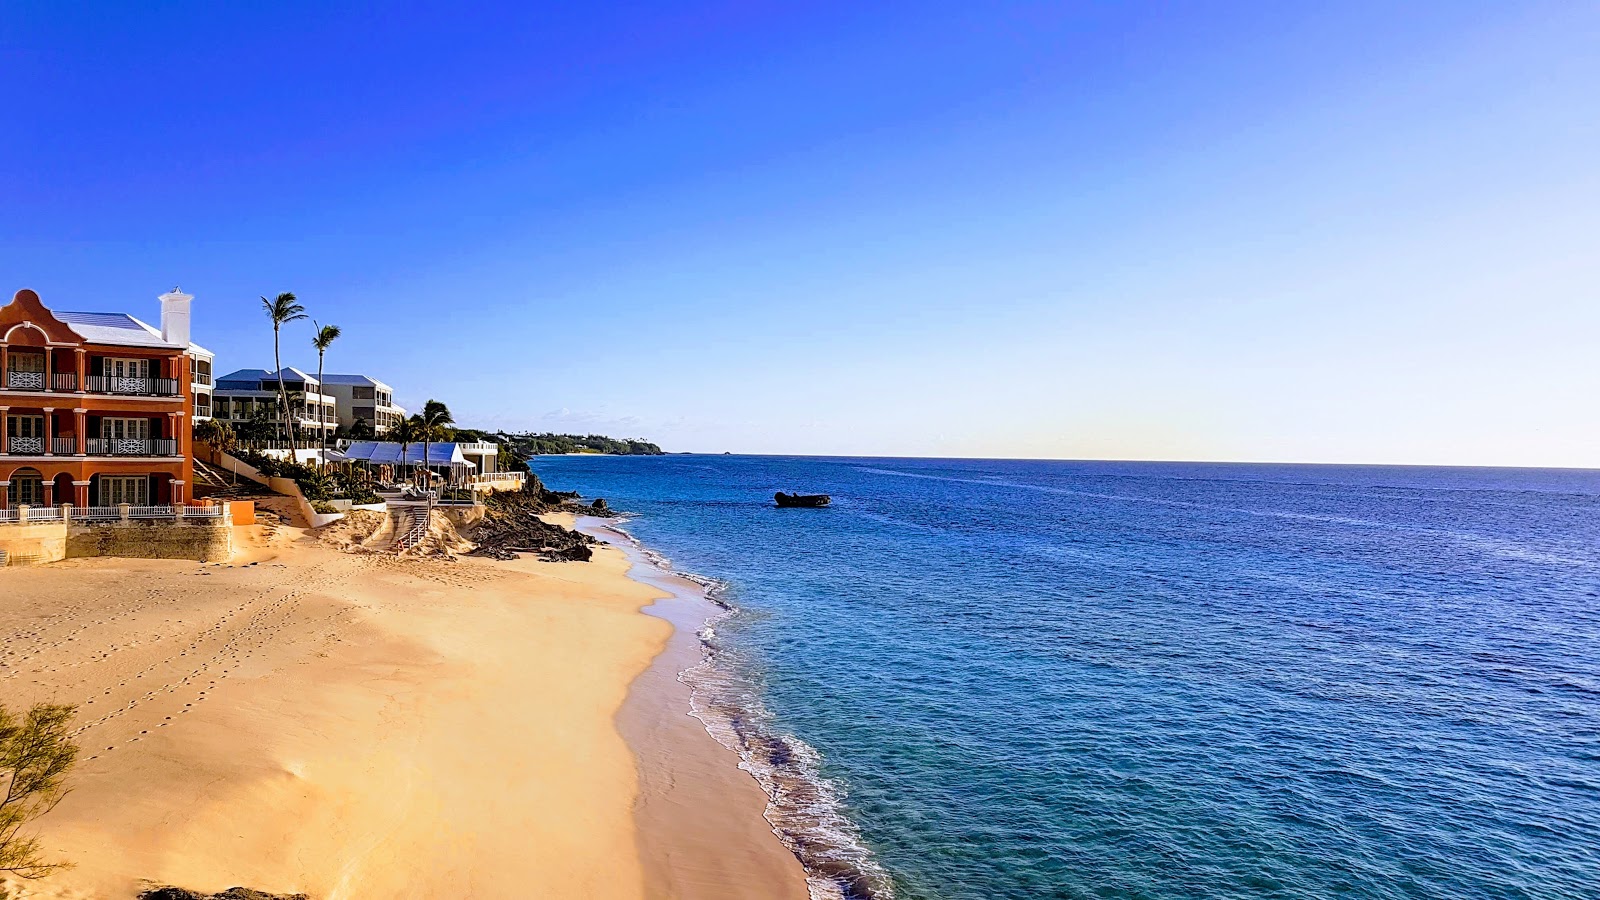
[599, 505]
[511, 525]
[574, 553]
[233, 893]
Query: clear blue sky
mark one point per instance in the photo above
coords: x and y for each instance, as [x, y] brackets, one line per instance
[1360, 233]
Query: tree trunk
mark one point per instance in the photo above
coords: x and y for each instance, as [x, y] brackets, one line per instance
[322, 422]
[283, 393]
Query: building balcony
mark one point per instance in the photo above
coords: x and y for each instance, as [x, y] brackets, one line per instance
[67, 383]
[24, 381]
[132, 446]
[35, 446]
[136, 387]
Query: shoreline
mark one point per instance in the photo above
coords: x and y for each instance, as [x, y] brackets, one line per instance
[702, 824]
[801, 809]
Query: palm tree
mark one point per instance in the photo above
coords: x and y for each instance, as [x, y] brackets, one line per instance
[283, 310]
[435, 416]
[326, 335]
[404, 431]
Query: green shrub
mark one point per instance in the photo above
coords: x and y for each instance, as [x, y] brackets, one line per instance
[36, 751]
[323, 506]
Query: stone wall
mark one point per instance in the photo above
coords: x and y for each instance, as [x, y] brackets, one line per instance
[35, 543]
[208, 541]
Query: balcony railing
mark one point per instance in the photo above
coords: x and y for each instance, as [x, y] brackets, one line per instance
[65, 381]
[200, 377]
[133, 447]
[498, 478]
[139, 387]
[25, 381]
[25, 446]
[64, 446]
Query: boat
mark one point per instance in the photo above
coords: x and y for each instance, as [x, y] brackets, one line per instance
[792, 501]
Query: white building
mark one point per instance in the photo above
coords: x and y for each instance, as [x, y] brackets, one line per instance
[484, 455]
[364, 398]
[244, 395]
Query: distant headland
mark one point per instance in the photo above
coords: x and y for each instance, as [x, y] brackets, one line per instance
[525, 445]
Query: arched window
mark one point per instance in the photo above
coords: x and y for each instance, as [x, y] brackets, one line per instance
[27, 487]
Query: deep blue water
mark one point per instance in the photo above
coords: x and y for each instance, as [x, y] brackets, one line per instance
[1053, 679]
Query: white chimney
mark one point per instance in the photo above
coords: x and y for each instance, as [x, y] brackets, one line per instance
[175, 317]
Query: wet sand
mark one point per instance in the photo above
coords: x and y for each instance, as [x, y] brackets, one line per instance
[701, 828]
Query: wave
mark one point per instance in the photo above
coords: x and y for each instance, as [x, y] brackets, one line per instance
[805, 808]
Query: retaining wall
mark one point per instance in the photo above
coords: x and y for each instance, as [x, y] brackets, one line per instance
[152, 539]
[34, 543]
[206, 540]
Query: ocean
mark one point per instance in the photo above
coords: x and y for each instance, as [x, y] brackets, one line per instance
[1016, 679]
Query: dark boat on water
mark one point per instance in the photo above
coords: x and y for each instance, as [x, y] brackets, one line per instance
[794, 501]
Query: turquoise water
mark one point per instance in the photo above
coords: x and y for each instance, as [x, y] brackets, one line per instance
[986, 679]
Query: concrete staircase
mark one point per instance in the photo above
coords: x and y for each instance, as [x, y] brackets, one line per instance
[218, 485]
[410, 525]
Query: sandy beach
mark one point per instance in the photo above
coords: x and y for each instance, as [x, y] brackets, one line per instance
[352, 726]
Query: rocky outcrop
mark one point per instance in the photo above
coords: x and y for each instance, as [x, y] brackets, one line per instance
[233, 893]
[511, 525]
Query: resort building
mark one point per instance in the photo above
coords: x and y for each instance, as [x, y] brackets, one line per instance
[251, 395]
[96, 405]
[362, 398]
[484, 455]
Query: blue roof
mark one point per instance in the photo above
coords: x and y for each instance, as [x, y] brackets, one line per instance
[440, 453]
[331, 378]
[252, 376]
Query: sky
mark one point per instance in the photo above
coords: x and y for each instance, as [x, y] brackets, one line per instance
[1349, 232]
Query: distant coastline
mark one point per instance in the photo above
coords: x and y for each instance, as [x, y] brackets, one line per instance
[528, 444]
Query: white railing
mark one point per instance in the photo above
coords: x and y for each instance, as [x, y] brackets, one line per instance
[498, 478]
[102, 514]
[64, 446]
[132, 446]
[25, 445]
[418, 527]
[25, 381]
